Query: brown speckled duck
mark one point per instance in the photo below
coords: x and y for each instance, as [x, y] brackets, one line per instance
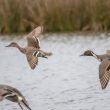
[13, 95]
[32, 51]
[104, 67]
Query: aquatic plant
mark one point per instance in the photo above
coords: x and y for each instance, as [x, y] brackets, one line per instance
[18, 16]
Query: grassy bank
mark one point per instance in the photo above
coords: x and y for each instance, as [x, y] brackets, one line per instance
[19, 16]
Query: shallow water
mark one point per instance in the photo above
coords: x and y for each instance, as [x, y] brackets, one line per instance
[64, 81]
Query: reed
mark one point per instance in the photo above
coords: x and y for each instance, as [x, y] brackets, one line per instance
[19, 16]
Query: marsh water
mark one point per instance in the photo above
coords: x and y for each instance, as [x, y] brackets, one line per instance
[64, 81]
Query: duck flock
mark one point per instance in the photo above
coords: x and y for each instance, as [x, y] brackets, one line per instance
[33, 52]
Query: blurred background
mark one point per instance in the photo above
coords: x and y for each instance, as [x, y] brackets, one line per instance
[20, 16]
[64, 81]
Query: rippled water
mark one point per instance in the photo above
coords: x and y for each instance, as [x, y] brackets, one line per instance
[64, 81]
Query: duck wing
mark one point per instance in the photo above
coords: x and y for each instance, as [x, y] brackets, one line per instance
[104, 73]
[32, 60]
[32, 37]
[11, 92]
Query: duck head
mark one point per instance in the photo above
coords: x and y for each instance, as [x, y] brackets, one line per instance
[87, 53]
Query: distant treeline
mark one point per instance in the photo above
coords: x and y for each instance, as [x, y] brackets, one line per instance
[19, 16]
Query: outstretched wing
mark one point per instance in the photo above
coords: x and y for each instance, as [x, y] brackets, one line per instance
[32, 37]
[104, 73]
[32, 60]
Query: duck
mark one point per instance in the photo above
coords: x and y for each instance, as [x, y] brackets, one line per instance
[98, 57]
[104, 67]
[32, 50]
[104, 72]
[14, 95]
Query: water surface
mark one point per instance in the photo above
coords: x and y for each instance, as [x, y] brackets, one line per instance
[64, 81]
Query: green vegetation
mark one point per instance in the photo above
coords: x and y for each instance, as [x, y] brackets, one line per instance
[19, 16]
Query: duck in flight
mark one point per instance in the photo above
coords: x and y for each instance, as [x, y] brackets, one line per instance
[104, 67]
[98, 57]
[32, 51]
[13, 95]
